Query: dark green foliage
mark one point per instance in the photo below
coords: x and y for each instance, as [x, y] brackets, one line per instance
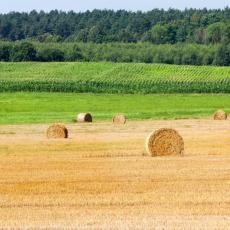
[50, 54]
[24, 51]
[193, 37]
[189, 54]
[161, 34]
[222, 55]
[4, 52]
[102, 26]
[216, 32]
[75, 54]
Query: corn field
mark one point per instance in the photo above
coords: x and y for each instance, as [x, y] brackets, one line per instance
[113, 78]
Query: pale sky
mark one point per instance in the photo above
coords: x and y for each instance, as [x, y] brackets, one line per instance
[83, 5]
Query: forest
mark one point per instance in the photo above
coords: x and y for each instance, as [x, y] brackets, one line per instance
[98, 26]
[191, 36]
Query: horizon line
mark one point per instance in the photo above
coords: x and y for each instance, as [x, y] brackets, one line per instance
[115, 10]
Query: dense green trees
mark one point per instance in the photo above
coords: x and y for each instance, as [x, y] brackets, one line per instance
[216, 32]
[161, 34]
[50, 54]
[189, 54]
[4, 52]
[106, 26]
[222, 56]
[196, 37]
[24, 51]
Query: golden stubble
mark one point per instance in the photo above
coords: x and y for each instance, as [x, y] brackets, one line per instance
[102, 177]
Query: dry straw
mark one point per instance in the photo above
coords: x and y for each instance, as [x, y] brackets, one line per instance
[220, 115]
[165, 142]
[119, 119]
[84, 117]
[57, 131]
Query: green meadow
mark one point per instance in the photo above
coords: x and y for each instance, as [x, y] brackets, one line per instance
[26, 108]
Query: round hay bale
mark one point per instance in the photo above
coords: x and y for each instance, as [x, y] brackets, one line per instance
[220, 115]
[165, 142]
[57, 131]
[84, 117]
[119, 119]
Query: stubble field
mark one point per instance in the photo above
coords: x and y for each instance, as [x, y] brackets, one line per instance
[101, 177]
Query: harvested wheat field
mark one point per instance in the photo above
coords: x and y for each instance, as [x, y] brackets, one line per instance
[101, 177]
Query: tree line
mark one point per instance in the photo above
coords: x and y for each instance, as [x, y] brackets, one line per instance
[187, 54]
[106, 26]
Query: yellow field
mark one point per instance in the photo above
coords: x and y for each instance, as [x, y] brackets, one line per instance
[101, 177]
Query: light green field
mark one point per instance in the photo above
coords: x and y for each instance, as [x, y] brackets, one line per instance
[113, 78]
[16, 108]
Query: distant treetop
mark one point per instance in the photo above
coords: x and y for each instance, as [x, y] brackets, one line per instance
[104, 26]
